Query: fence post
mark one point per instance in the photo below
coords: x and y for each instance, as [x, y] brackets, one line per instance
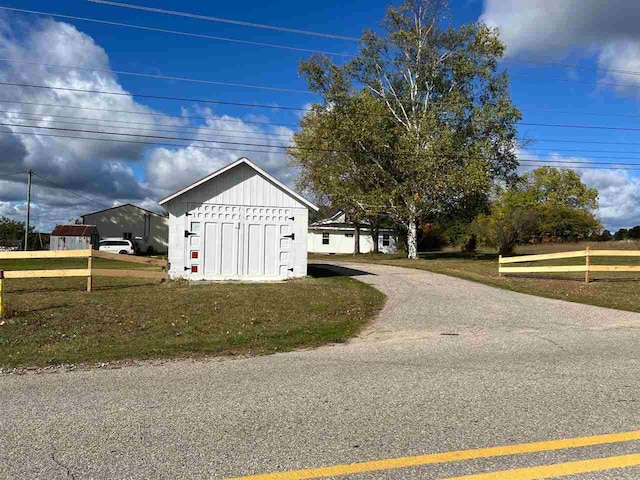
[587, 276]
[90, 267]
[499, 264]
[1, 293]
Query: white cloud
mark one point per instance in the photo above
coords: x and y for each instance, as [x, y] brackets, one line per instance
[606, 29]
[169, 169]
[103, 171]
[619, 192]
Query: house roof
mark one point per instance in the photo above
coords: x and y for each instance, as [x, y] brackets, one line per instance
[74, 230]
[238, 162]
[120, 206]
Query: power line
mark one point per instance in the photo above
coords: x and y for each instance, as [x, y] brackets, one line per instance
[225, 20]
[45, 117]
[579, 167]
[155, 97]
[177, 130]
[161, 144]
[175, 32]
[257, 105]
[281, 89]
[272, 146]
[156, 76]
[70, 191]
[153, 114]
[288, 47]
[11, 174]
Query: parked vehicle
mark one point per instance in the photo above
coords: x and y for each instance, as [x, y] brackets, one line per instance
[117, 245]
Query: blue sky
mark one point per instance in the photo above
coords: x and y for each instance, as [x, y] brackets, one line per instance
[573, 32]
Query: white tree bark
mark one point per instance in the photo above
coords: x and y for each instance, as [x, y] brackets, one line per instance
[412, 240]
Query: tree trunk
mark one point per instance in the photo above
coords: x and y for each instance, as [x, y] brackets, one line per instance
[356, 238]
[375, 237]
[412, 240]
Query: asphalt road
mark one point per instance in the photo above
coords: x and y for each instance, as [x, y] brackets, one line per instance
[449, 365]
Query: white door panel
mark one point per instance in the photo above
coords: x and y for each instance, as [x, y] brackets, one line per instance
[238, 242]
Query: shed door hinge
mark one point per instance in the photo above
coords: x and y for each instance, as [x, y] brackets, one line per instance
[291, 218]
[187, 234]
[290, 269]
[292, 236]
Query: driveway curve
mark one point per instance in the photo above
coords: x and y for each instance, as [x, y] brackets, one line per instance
[447, 365]
[421, 303]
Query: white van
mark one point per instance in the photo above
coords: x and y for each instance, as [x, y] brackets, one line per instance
[117, 245]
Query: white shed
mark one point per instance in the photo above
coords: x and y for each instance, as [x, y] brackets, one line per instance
[238, 223]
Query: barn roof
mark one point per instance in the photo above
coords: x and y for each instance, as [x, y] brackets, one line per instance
[120, 206]
[238, 162]
[74, 230]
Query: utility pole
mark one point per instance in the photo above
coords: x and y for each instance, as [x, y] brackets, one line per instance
[26, 227]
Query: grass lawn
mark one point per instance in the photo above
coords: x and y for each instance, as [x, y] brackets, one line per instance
[614, 290]
[55, 321]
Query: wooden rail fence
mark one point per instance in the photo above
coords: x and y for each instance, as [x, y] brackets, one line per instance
[587, 268]
[88, 272]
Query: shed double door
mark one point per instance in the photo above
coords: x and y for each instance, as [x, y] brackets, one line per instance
[243, 242]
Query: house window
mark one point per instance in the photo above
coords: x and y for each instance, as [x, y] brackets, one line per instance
[325, 239]
[385, 240]
[127, 236]
[348, 235]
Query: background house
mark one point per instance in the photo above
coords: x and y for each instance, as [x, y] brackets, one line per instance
[148, 230]
[74, 237]
[336, 235]
[237, 223]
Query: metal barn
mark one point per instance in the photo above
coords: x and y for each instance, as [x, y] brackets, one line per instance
[238, 223]
[74, 237]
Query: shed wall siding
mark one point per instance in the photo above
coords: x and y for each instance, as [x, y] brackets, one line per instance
[69, 243]
[153, 229]
[240, 187]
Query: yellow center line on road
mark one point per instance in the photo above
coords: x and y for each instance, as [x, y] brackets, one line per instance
[455, 456]
[558, 469]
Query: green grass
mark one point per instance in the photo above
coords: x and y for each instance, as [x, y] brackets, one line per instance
[55, 321]
[614, 290]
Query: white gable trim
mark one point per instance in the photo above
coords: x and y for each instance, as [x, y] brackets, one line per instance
[240, 161]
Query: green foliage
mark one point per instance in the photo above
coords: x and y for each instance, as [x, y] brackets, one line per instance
[546, 203]
[634, 233]
[511, 220]
[416, 124]
[561, 187]
[605, 236]
[13, 230]
[622, 234]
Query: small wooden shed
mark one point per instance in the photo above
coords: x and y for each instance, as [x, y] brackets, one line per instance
[238, 223]
[74, 237]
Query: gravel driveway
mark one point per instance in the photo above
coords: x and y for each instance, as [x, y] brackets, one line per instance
[448, 365]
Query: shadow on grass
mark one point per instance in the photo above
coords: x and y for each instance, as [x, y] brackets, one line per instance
[438, 255]
[77, 289]
[321, 270]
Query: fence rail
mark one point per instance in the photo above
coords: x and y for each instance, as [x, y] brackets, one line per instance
[88, 272]
[587, 268]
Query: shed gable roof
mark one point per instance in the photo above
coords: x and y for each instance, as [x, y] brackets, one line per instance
[241, 161]
[74, 230]
[120, 206]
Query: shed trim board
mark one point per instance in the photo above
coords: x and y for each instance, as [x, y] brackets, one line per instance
[237, 224]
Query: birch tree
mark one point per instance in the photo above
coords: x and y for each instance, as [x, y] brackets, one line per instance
[338, 150]
[449, 108]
